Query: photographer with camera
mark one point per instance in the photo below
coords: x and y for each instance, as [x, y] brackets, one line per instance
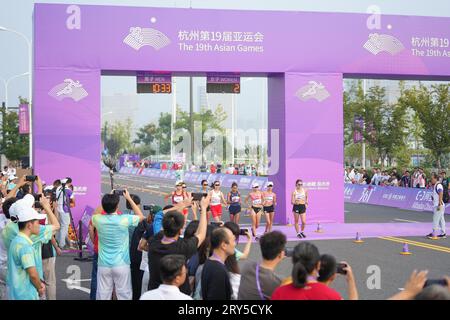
[258, 281]
[113, 249]
[329, 269]
[63, 196]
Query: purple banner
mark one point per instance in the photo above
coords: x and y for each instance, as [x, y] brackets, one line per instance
[24, 119]
[358, 125]
[403, 198]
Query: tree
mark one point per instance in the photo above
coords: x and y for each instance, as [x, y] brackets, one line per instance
[384, 123]
[14, 145]
[432, 106]
[117, 137]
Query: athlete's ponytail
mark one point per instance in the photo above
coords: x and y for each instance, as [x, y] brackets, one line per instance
[305, 258]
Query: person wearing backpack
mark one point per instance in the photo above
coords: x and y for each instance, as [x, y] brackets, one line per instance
[438, 208]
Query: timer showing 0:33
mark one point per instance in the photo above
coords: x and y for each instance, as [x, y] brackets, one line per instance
[161, 88]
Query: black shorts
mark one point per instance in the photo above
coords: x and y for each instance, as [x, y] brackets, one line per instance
[234, 209]
[269, 209]
[299, 208]
[256, 209]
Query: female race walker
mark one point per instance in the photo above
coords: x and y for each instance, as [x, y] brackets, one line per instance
[269, 203]
[234, 202]
[217, 199]
[256, 209]
[299, 201]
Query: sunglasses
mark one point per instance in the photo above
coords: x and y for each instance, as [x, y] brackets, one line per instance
[205, 185]
[217, 185]
[184, 187]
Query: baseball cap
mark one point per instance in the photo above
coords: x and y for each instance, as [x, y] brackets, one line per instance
[270, 184]
[25, 213]
[255, 185]
[28, 200]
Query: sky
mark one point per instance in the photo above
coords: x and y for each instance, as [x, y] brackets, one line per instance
[17, 15]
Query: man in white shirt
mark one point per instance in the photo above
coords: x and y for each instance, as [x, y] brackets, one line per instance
[438, 209]
[376, 177]
[173, 273]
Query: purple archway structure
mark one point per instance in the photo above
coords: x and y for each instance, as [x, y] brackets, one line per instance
[305, 56]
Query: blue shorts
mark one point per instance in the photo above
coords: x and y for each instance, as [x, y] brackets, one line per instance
[234, 209]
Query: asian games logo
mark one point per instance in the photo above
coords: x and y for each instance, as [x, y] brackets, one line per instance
[313, 90]
[68, 89]
[140, 37]
[380, 42]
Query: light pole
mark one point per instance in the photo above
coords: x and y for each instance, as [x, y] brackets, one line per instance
[6, 83]
[30, 86]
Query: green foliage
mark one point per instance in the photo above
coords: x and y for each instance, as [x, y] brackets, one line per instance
[117, 137]
[432, 107]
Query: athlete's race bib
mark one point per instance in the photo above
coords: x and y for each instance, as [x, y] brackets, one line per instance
[177, 199]
[235, 199]
[257, 201]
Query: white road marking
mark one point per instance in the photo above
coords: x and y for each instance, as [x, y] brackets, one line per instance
[403, 220]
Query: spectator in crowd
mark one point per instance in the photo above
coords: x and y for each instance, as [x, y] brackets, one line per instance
[235, 229]
[413, 286]
[258, 281]
[444, 179]
[215, 278]
[129, 210]
[169, 241]
[114, 255]
[376, 178]
[405, 180]
[136, 256]
[234, 274]
[23, 279]
[328, 272]
[366, 178]
[204, 252]
[173, 272]
[304, 286]
[434, 292]
[4, 220]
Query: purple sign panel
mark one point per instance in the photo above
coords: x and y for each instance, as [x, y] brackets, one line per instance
[24, 119]
[299, 49]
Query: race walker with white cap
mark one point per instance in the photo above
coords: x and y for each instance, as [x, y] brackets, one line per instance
[256, 197]
[269, 203]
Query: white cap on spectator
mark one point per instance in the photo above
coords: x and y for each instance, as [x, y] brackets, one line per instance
[28, 200]
[270, 184]
[255, 185]
[25, 213]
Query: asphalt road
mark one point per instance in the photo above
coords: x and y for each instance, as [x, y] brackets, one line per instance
[381, 255]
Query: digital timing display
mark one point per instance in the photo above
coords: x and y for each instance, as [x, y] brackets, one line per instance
[223, 83]
[149, 82]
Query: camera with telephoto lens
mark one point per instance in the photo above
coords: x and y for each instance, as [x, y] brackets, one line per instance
[150, 208]
[30, 178]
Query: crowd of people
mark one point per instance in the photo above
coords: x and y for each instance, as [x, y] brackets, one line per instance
[155, 253]
[408, 179]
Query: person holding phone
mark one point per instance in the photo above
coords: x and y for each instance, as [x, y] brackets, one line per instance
[256, 198]
[217, 199]
[329, 269]
[299, 200]
[234, 203]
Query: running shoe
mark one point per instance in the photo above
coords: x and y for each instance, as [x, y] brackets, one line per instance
[256, 238]
[303, 235]
[299, 235]
[429, 236]
[442, 236]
